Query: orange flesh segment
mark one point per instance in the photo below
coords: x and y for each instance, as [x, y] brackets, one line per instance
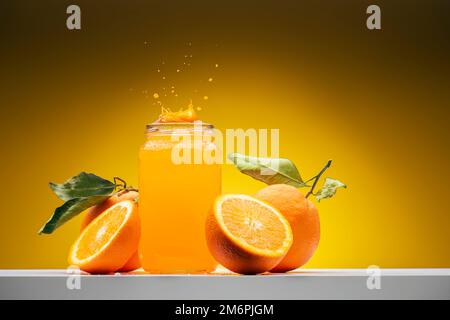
[101, 232]
[254, 223]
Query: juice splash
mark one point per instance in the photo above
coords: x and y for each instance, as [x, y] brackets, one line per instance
[182, 115]
[185, 76]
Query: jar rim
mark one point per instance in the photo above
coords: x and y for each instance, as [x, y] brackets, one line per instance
[157, 126]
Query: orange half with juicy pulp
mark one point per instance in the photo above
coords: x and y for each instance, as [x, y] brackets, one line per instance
[109, 241]
[246, 235]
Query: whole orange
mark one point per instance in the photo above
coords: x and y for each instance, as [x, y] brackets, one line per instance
[303, 218]
[134, 262]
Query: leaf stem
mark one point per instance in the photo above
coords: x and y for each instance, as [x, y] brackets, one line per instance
[317, 177]
[123, 185]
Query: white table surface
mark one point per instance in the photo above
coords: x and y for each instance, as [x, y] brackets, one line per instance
[301, 284]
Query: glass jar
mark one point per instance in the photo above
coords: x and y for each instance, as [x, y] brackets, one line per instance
[175, 194]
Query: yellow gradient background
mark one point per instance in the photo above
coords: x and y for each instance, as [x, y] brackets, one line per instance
[376, 102]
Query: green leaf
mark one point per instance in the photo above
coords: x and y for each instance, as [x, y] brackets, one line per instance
[268, 170]
[329, 189]
[68, 210]
[83, 185]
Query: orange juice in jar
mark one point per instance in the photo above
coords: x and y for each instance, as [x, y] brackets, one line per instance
[174, 199]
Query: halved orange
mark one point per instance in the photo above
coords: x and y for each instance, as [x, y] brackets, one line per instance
[93, 212]
[246, 235]
[109, 241]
